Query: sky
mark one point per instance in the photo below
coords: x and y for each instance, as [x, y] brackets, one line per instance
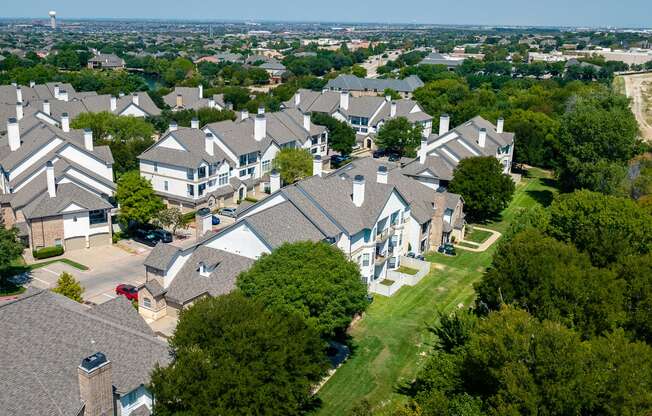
[578, 13]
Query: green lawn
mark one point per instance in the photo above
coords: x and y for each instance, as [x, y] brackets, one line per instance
[477, 236]
[391, 342]
[407, 270]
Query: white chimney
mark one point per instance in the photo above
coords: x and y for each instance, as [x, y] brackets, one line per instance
[56, 91]
[135, 99]
[297, 99]
[201, 91]
[274, 181]
[423, 150]
[179, 100]
[63, 95]
[260, 127]
[13, 134]
[381, 175]
[121, 94]
[261, 110]
[482, 137]
[211, 103]
[65, 122]
[32, 84]
[19, 94]
[209, 144]
[19, 111]
[114, 103]
[46, 107]
[344, 100]
[444, 124]
[306, 122]
[173, 126]
[88, 139]
[500, 125]
[203, 269]
[388, 98]
[392, 109]
[317, 165]
[194, 123]
[49, 176]
[358, 190]
[244, 115]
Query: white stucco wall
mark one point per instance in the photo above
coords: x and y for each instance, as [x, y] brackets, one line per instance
[88, 162]
[27, 163]
[239, 240]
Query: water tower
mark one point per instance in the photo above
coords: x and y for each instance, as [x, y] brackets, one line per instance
[53, 19]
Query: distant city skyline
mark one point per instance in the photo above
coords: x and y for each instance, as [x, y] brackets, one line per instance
[577, 13]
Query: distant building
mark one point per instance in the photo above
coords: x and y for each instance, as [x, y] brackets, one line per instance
[436, 58]
[373, 86]
[106, 61]
[221, 57]
[53, 19]
[192, 98]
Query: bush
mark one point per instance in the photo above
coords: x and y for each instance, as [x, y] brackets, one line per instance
[189, 216]
[117, 236]
[69, 287]
[47, 252]
[251, 199]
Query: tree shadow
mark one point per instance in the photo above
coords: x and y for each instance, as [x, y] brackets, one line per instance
[543, 197]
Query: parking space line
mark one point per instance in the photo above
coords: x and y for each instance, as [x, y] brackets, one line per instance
[109, 296]
[49, 271]
[42, 281]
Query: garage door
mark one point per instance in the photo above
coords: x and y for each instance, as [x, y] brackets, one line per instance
[97, 240]
[75, 243]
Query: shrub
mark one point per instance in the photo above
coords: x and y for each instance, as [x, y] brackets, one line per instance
[69, 287]
[189, 216]
[251, 199]
[47, 252]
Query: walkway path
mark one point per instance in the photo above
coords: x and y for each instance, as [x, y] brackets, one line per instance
[634, 89]
[495, 235]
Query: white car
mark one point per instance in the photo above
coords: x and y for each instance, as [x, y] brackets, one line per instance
[227, 212]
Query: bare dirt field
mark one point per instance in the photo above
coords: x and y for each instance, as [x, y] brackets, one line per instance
[639, 89]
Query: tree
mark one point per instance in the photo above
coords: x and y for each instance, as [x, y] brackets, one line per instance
[553, 281]
[293, 164]
[138, 203]
[173, 218]
[535, 137]
[69, 287]
[400, 136]
[358, 71]
[234, 356]
[126, 136]
[341, 137]
[484, 187]
[10, 249]
[606, 227]
[314, 280]
[637, 272]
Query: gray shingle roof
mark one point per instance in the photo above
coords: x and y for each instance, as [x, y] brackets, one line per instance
[66, 194]
[193, 140]
[346, 82]
[161, 256]
[44, 338]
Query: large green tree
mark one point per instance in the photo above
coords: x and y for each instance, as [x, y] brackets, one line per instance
[293, 164]
[69, 287]
[341, 137]
[233, 356]
[606, 227]
[126, 136]
[10, 249]
[637, 272]
[484, 187]
[314, 280]
[400, 136]
[138, 203]
[535, 137]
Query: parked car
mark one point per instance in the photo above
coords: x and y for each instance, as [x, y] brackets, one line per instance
[339, 160]
[128, 291]
[393, 157]
[420, 257]
[410, 255]
[164, 236]
[227, 212]
[147, 237]
[215, 220]
[378, 153]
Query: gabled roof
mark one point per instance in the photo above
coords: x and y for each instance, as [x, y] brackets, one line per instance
[193, 141]
[347, 82]
[44, 338]
[67, 194]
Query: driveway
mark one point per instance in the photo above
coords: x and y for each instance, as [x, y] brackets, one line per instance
[108, 267]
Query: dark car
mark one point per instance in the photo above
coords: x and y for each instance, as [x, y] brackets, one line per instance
[379, 153]
[393, 157]
[164, 236]
[410, 255]
[227, 212]
[128, 291]
[147, 237]
[215, 220]
[339, 160]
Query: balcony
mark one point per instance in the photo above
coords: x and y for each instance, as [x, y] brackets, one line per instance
[383, 236]
[380, 258]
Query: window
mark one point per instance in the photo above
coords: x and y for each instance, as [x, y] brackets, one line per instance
[201, 172]
[223, 179]
[267, 166]
[147, 302]
[250, 171]
[359, 121]
[211, 183]
[155, 167]
[365, 259]
[191, 190]
[201, 189]
[130, 399]
[190, 174]
[394, 219]
[248, 159]
[165, 185]
[243, 173]
[97, 217]
[314, 150]
[448, 214]
[315, 140]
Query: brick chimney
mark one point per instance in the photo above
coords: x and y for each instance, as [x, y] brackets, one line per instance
[95, 387]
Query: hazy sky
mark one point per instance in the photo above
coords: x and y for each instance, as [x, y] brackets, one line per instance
[621, 13]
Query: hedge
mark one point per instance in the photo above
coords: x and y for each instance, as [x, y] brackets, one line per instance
[47, 252]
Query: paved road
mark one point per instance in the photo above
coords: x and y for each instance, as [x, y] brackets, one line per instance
[634, 89]
[373, 62]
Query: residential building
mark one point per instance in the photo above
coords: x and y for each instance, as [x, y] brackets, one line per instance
[192, 98]
[221, 57]
[357, 86]
[223, 162]
[436, 58]
[440, 153]
[65, 358]
[365, 114]
[106, 61]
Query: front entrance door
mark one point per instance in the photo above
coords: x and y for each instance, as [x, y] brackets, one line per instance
[242, 193]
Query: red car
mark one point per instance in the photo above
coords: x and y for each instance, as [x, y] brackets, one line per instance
[129, 291]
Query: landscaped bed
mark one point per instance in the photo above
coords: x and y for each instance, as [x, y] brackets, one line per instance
[478, 236]
[407, 270]
[387, 282]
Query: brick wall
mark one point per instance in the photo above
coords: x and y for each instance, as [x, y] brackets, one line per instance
[44, 231]
[7, 215]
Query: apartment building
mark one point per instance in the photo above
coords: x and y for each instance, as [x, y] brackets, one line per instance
[365, 114]
[224, 162]
[192, 98]
[98, 359]
[106, 61]
[55, 185]
[359, 87]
